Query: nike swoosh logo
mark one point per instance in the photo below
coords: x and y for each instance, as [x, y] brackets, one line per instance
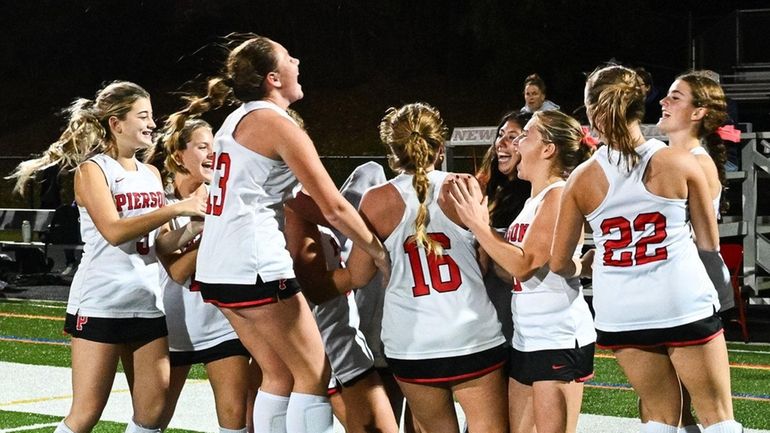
[120, 179]
[558, 366]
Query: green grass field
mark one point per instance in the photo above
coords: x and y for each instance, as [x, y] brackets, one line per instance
[31, 333]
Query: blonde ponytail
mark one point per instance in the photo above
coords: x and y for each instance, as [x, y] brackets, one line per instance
[414, 135]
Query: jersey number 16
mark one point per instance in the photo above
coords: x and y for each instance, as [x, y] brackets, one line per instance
[435, 262]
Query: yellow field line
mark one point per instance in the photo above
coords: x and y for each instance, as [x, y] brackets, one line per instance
[31, 316]
[69, 396]
[51, 398]
[732, 365]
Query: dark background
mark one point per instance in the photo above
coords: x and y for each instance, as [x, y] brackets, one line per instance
[468, 58]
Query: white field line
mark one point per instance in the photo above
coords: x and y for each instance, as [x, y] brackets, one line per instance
[39, 303]
[28, 427]
[47, 390]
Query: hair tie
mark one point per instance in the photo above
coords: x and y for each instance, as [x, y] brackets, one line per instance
[729, 133]
[588, 140]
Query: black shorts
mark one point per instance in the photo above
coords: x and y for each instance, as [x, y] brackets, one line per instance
[566, 365]
[115, 331]
[248, 295]
[691, 334]
[222, 350]
[452, 369]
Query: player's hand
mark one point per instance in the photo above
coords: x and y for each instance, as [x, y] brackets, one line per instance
[194, 206]
[470, 204]
[587, 260]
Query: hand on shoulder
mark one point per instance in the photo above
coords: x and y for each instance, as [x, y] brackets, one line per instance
[463, 202]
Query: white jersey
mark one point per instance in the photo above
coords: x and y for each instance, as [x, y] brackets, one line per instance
[549, 311]
[119, 281]
[243, 236]
[715, 201]
[646, 272]
[193, 325]
[723, 286]
[435, 307]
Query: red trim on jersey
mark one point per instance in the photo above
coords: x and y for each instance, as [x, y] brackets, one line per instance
[242, 304]
[665, 344]
[332, 391]
[471, 375]
[195, 285]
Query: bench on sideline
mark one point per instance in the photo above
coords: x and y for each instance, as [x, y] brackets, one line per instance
[27, 253]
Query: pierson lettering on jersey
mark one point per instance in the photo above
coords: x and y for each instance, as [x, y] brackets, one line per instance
[139, 200]
[516, 232]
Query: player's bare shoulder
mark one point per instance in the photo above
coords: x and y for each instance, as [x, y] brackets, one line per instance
[382, 208]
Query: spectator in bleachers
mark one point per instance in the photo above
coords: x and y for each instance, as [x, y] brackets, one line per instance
[535, 96]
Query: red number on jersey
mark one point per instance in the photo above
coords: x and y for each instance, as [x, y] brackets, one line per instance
[217, 198]
[623, 226]
[435, 262]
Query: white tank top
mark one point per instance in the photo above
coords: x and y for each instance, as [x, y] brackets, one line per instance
[243, 237]
[435, 308]
[549, 311]
[646, 272]
[715, 201]
[193, 325]
[119, 281]
[724, 288]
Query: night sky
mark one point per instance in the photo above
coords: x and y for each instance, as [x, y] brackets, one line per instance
[468, 58]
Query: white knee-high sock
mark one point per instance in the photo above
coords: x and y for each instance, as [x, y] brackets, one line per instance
[729, 426]
[309, 414]
[690, 429]
[62, 428]
[657, 427]
[229, 430]
[270, 413]
[133, 427]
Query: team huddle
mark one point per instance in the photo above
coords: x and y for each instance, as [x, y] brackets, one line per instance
[235, 249]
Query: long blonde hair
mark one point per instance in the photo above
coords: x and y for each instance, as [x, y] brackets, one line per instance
[414, 135]
[87, 132]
